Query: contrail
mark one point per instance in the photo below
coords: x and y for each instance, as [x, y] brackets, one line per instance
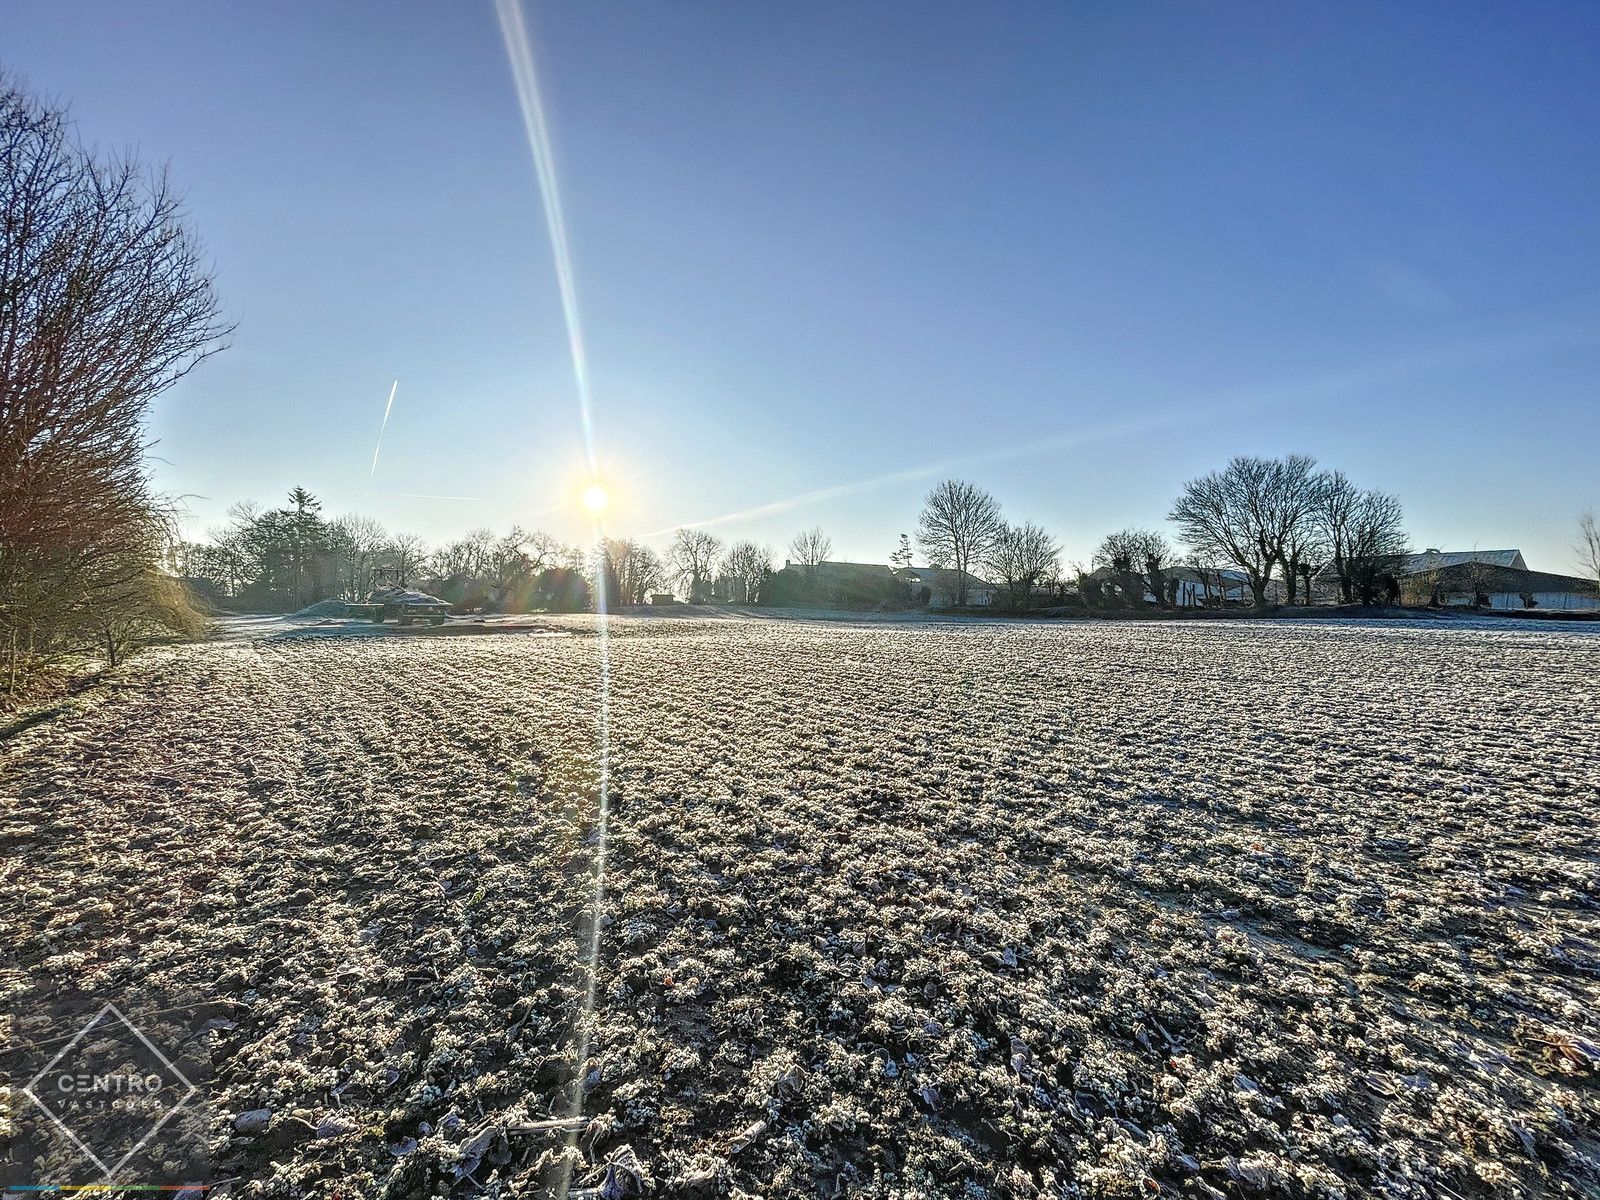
[928, 470]
[519, 51]
[387, 409]
[1482, 344]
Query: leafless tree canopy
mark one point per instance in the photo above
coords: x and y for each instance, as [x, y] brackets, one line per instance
[104, 302]
[693, 560]
[1249, 514]
[746, 568]
[1138, 558]
[958, 527]
[631, 571]
[1362, 534]
[901, 557]
[811, 547]
[1023, 556]
[1588, 548]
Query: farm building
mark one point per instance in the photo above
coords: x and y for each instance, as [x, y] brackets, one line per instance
[838, 585]
[1195, 587]
[1438, 560]
[1507, 588]
[873, 585]
[942, 585]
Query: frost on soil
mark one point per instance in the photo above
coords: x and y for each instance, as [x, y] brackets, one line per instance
[1100, 910]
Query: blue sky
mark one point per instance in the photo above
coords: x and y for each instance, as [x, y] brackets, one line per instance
[825, 253]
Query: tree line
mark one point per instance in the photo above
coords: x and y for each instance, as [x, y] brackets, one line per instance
[287, 558]
[1265, 514]
[282, 559]
[1264, 518]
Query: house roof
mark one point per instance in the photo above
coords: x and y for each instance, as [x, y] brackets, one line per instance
[1470, 577]
[1210, 575]
[1436, 560]
[940, 577]
[844, 570]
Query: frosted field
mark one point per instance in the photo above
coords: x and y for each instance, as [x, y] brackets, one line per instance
[892, 910]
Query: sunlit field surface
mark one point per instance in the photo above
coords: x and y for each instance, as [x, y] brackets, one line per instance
[891, 910]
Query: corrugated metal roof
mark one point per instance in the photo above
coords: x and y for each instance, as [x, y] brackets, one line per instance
[944, 577]
[1437, 560]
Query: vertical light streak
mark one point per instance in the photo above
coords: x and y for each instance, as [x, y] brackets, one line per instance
[582, 1038]
[519, 52]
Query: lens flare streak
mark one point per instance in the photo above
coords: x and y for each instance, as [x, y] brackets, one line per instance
[519, 52]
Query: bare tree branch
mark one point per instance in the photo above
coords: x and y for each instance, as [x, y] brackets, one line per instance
[958, 527]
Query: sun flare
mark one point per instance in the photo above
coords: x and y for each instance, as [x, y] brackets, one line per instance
[596, 498]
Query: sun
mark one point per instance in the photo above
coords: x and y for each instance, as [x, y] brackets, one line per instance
[595, 498]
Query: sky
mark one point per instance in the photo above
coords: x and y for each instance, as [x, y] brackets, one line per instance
[826, 254]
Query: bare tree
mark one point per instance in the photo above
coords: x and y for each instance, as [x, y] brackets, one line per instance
[220, 562]
[357, 543]
[468, 558]
[1588, 548]
[1123, 553]
[1155, 553]
[1022, 556]
[958, 527]
[133, 599]
[693, 560]
[1337, 505]
[811, 547]
[1213, 582]
[406, 552]
[747, 566]
[1363, 535]
[1139, 559]
[104, 303]
[1248, 514]
[1304, 548]
[631, 571]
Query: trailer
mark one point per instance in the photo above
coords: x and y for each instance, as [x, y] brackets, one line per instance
[392, 597]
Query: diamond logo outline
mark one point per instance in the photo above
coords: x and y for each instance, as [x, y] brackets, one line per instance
[109, 1007]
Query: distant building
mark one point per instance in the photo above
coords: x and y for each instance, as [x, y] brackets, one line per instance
[1438, 560]
[1509, 589]
[837, 585]
[1195, 587]
[943, 585]
[873, 585]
